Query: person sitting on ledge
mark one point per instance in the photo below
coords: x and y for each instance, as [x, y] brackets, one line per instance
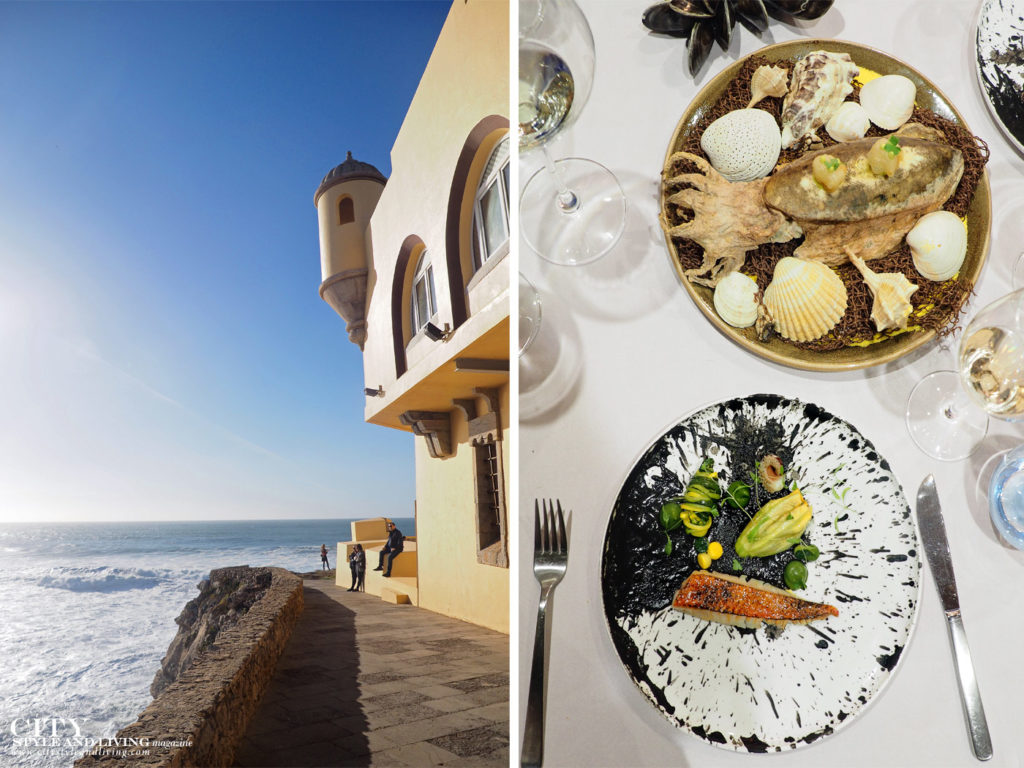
[393, 548]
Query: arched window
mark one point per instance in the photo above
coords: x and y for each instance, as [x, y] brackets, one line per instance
[490, 209]
[424, 305]
[346, 211]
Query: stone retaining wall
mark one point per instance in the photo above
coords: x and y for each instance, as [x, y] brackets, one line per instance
[209, 706]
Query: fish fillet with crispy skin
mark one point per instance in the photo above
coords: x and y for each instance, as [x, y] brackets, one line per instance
[744, 602]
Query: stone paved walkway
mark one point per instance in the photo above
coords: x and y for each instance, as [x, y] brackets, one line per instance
[367, 683]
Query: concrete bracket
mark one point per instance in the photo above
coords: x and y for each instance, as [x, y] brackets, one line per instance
[435, 427]
[467, 405]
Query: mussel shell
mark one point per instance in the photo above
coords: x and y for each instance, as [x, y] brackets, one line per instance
[699, 45]
[798, 9]
[776, 11]
[662, 19]
[722, 26]
[814, 9]
[698, 9]
[751, 14]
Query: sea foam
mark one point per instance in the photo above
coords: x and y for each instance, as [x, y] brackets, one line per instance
[103, 579]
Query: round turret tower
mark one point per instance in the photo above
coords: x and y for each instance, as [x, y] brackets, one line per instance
[344, 202]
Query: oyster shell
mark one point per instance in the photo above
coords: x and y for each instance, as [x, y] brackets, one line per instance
[888, 100]
[742, 145]
[768, 81]
[891, 307]
[849, 123]
[939, 244]
[735, 299]
[806, 299]
[820, 82]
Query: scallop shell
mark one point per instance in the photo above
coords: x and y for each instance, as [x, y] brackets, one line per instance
[743, 145]
[735, 300]
[768, 81]
[849, 123]
[806, 299]
[939, 244]
[891, 290]
[888, 100]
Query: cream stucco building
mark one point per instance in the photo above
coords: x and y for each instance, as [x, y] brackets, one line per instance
[417, 266]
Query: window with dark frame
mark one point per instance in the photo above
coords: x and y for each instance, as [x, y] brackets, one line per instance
[490, 504]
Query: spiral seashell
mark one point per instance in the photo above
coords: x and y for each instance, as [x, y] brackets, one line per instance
[938, 243]
[888, 100]
[743, 145]
[849, 123]
[806, 299]
[768, 81]
[735, 299]
[891, 307]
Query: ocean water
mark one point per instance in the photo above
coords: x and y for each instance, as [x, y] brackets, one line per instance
[87, 611]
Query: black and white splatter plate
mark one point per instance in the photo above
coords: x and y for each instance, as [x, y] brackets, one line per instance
[759, 690]
[999, 52]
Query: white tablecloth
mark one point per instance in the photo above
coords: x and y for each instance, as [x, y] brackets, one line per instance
[627, 334]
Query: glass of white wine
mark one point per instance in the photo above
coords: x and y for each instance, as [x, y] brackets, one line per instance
[571, 211]
[941, 413]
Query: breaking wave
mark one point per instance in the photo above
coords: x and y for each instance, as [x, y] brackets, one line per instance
[103, 579]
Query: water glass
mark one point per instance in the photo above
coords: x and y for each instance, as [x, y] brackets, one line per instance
[1006, 498]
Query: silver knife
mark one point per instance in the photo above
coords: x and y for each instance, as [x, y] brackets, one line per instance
[936, 549]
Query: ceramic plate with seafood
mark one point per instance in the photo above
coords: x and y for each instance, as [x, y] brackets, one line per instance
[760, 573]
[825, 205]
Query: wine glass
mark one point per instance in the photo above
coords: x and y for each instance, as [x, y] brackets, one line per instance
[1018, 272]
[571, 211]
[529, 313]
[941, 413]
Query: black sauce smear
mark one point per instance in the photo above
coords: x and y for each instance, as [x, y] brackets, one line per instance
[888, 661]
[638, 576]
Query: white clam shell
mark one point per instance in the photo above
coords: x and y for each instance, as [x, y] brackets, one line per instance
[939, 244]
[743, 145]
[888, 100]
[849, 123]
[735, 300]
[806, 299]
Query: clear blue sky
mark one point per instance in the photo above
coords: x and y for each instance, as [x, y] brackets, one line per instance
[163, 350]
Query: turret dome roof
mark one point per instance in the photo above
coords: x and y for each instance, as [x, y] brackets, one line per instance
[349, 169]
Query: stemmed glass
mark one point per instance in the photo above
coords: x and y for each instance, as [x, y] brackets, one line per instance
[571, 211]
[941, 413]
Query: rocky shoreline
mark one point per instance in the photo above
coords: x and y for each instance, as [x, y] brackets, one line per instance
[215, 671]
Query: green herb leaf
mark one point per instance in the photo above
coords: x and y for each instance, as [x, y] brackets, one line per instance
[892, 146]
[806, 552]
[700, 544]
[832, 163]
[737, 565]
[737, 495]
[668, 545]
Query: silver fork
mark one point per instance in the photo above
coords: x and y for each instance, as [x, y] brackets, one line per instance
[550, 554]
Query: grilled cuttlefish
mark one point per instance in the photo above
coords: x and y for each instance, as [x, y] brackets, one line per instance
[744, 602]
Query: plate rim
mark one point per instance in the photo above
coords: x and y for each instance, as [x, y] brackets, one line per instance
[993, 114]
[607, 621]
[896, 351]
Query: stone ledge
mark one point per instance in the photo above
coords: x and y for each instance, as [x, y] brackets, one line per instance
[210, 705]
